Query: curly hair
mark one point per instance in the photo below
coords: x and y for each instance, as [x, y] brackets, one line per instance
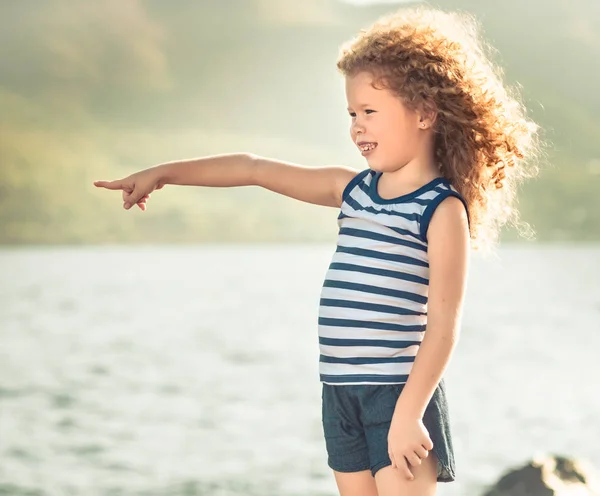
[484, 143]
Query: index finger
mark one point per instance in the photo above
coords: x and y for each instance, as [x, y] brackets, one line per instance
[109, 184]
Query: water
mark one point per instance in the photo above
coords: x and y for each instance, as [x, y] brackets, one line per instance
[194, 370]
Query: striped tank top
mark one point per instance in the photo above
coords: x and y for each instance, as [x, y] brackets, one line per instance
[373, 307]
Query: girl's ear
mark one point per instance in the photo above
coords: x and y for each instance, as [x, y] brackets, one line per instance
[427, 116]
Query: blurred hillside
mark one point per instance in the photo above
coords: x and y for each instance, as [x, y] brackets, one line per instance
[94, 90]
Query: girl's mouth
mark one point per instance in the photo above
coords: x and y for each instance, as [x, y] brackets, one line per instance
[366, 147]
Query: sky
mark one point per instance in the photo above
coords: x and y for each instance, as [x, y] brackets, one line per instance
[364, 2]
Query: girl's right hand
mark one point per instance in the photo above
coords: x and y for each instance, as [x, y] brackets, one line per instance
[136, 188]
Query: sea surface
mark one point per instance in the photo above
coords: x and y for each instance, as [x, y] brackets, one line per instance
[160, 370]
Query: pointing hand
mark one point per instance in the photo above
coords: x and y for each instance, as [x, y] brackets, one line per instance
[136, 188]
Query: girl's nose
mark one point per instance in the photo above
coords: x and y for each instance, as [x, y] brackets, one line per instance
[357, 129]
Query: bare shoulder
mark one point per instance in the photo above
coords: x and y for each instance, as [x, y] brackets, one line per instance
[343, 176]
[449, 225]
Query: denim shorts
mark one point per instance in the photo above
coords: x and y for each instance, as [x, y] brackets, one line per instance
[356, 421]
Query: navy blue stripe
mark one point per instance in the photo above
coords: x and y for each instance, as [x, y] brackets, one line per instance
[357, 206]
[430, 209]
[382, 326]
[398, 230]
[442, 188]
[361, 233]
[366, 360]
[381, 343]
[380, 272]
[384, 379]
[373, 307]
[356, 179]
[406, 197]
[364, 187]
[392, 257]
[404, 232]
[367, 288]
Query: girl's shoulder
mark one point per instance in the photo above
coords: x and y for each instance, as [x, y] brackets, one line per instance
[363, 177]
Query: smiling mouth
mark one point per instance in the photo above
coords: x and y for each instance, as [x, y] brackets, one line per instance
[366, 147]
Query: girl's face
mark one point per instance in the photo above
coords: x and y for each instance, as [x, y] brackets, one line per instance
[380, 118]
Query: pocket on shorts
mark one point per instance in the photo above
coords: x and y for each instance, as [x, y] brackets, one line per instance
[378, 404]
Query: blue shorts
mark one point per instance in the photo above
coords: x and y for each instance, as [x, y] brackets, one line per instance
[356, 422]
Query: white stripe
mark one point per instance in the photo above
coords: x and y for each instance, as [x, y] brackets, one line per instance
[381, 246]
[408, 207]
[367, 261]
[429, 195]
[375, 299]
[403, 207]
[367, 368]
[377, 280]
[381, 218]
[360, 196]
[366, 383]
[434, 193]
[357, 333]
[377, 263]
[371, 316]
[366, 351]
[372, 298]
[365, 225]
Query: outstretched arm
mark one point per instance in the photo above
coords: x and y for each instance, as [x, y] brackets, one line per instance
[322, 185]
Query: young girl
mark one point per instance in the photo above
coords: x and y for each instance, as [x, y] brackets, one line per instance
[445, 145]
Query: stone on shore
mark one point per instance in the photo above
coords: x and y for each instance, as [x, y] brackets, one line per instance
[548, 475]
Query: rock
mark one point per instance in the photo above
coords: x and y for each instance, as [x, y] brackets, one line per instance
[548, 475]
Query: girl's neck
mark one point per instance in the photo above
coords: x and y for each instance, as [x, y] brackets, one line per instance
[416, 173]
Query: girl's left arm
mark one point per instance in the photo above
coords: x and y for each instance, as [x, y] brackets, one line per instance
[448, 249]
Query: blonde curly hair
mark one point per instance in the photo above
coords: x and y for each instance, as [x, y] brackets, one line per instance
[484, 142]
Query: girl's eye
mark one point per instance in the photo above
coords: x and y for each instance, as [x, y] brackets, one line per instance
[368, 111]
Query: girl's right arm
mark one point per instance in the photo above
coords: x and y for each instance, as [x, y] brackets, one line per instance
[319, 185]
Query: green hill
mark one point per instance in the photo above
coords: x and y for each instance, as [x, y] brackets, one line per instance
[99, 89]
